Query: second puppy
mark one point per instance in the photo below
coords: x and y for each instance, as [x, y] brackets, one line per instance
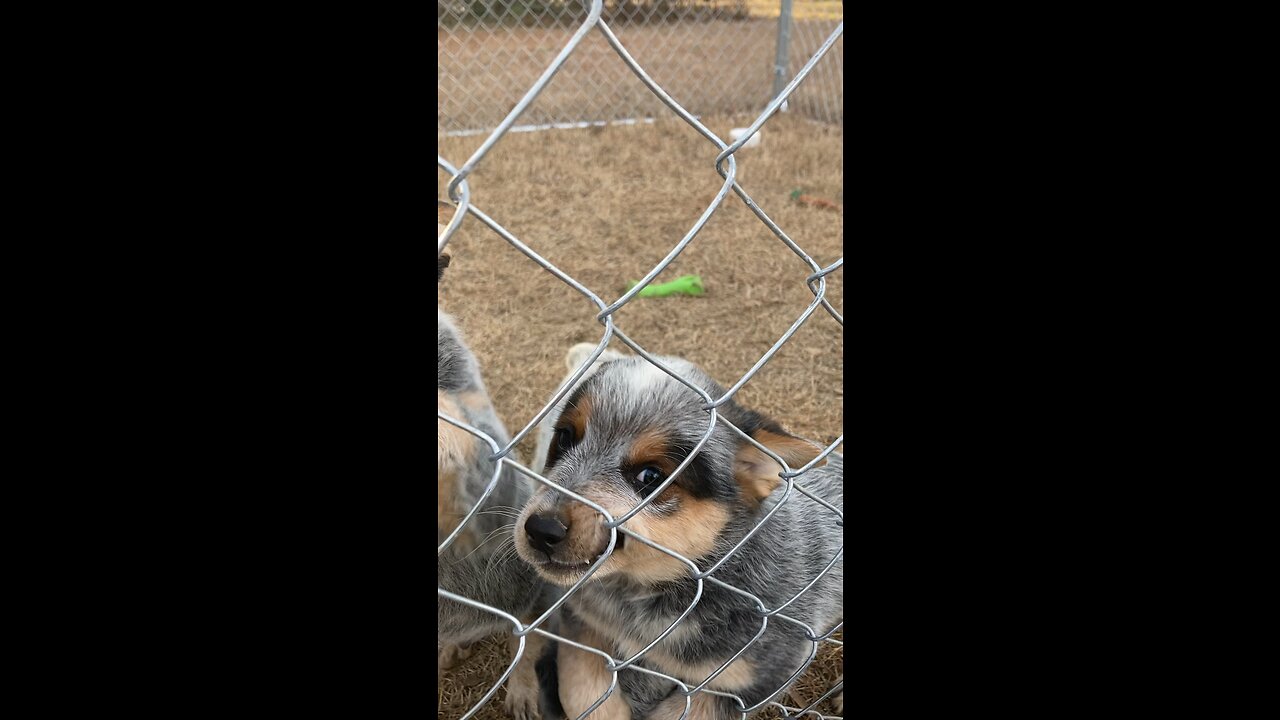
[478, 565]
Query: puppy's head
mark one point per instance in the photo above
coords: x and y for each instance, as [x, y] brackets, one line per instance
[622, 433]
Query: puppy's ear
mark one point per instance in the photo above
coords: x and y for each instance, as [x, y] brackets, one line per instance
[757, 473]
[579, 353]
[442, 262]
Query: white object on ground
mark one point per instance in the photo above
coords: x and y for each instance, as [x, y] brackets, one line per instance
[736, 133]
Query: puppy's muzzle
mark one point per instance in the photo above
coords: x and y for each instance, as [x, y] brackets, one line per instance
[544, 533]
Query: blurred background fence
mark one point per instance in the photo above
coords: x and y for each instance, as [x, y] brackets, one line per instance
[715, 57]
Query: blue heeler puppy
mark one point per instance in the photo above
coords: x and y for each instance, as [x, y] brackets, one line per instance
[617, 436]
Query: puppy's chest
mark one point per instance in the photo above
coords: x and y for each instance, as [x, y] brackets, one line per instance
[691, 652]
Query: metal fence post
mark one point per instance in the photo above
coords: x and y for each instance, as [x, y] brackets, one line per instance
[782, 59]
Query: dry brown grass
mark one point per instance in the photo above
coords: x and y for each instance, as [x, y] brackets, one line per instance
[605, 205]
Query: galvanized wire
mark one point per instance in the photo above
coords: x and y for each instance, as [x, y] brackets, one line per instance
[587, 16]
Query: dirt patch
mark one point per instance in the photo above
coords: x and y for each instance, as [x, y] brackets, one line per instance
[606, 205]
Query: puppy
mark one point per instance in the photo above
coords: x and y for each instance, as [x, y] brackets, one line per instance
[616, 437]
[479, 564]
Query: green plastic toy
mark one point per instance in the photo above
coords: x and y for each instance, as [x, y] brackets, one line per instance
[685, 285]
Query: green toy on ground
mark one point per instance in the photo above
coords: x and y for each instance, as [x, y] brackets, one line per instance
[685, 285]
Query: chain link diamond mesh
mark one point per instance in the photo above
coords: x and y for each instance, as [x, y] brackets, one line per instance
[575, 37]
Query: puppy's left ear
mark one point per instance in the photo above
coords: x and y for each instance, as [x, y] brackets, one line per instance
[579, 353]
[757, 473]
[442, 262]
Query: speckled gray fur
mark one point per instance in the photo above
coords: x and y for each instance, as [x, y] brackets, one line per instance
[492, 574]
[629, 395]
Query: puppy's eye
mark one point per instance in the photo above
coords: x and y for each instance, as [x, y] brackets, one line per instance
[649, 478]
[564, 438]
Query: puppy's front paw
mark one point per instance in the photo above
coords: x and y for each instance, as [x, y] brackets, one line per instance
[452, 655]
[522, 700]
[837, 702]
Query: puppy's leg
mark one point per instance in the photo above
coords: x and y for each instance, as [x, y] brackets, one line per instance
[584, 679]
[522, 686]
[701, 707]
[837, 700]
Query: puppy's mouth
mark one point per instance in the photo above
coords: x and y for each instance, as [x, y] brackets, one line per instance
[558, 572]
[543, 560]
[562, 570]
[569, 566]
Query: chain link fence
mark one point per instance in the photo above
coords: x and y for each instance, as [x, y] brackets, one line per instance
[591, 42]
[714, 57]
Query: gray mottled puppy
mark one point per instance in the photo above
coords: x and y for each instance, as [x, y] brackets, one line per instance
[617, 436]
[480, 564]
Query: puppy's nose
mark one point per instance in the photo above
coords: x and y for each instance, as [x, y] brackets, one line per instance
[544, 532]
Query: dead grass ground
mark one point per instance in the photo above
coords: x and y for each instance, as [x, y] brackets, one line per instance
[605, 205]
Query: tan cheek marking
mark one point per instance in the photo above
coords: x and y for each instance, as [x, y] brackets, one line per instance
[694, 527]
[587, 534]
[692, 531]
[582, 521]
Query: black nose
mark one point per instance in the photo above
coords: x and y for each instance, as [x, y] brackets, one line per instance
[544, 532]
